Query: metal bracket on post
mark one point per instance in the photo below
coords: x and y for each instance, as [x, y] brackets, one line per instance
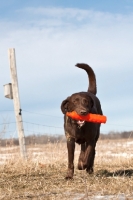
[12, 92]
[8, 91]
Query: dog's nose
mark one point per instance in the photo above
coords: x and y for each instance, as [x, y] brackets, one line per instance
[83, 112]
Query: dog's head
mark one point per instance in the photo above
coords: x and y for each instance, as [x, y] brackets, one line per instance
[81, 102]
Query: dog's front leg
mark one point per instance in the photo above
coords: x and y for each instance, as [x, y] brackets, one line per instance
[81, 157]
[71, 149]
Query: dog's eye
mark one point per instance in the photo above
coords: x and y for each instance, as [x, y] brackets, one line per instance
[75, 100]
[85, 101]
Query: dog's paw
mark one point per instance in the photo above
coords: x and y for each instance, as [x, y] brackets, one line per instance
[68, 178]
[69, 175]
[81, 165]
[90, 170]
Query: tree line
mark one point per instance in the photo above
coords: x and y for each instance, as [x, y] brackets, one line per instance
[44, 139]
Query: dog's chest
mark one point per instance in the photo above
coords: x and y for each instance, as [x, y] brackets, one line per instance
[72, 130]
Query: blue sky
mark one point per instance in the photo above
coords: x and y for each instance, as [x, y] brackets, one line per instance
[49, 38]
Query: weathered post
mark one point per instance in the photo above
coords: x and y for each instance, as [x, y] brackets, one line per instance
[16, 100]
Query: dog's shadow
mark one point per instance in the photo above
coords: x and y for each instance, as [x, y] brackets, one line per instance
[106, 173]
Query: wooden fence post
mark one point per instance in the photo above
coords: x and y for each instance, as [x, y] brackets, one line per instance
[16, 100]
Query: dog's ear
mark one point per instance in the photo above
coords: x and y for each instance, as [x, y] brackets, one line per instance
[64, 105]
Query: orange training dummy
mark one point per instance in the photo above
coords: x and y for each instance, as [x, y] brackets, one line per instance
[95, 118]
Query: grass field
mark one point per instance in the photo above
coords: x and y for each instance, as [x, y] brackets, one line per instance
[42, 175]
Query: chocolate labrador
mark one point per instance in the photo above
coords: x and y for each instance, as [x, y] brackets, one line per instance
[82, 132]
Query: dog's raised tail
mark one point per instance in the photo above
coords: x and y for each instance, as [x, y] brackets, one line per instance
[91, 76]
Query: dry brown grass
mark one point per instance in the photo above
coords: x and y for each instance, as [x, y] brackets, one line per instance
[42, 175]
